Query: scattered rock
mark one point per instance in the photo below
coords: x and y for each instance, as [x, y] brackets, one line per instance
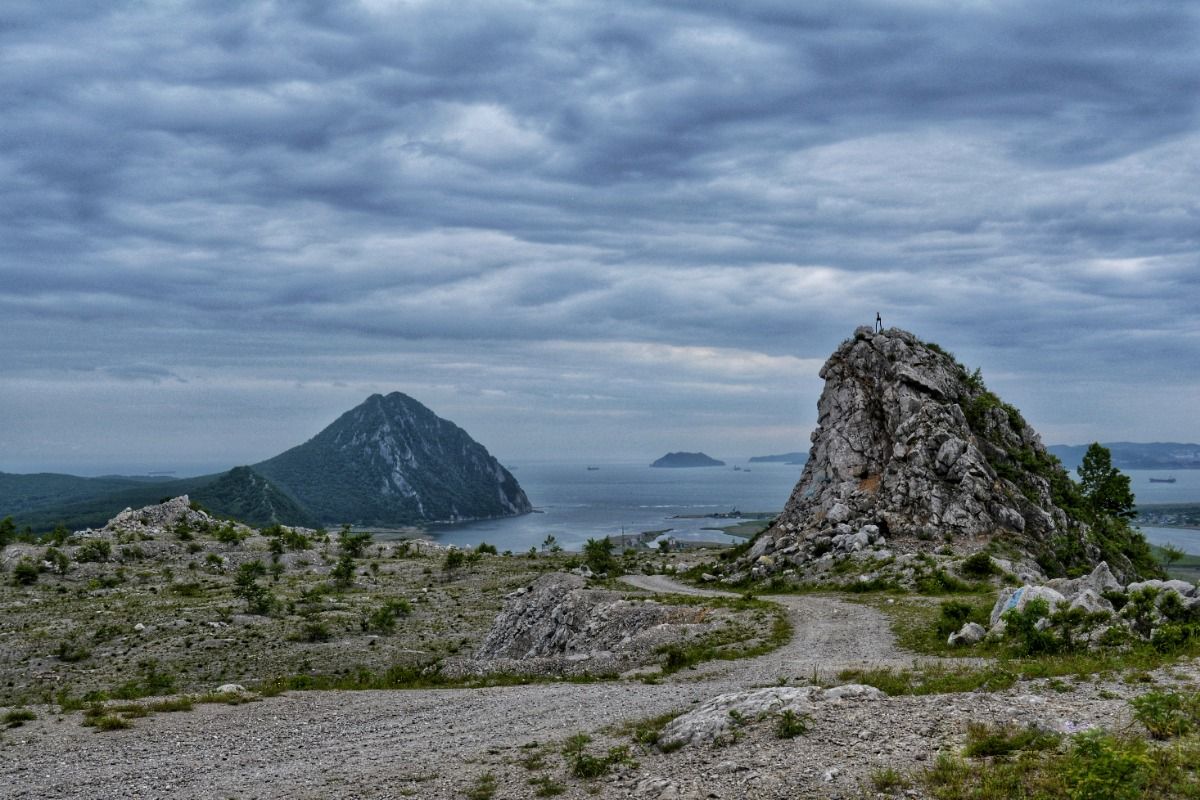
[719, 715]
[971, 633]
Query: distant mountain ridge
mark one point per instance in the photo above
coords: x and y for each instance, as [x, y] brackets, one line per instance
[1135, 455]
[388, 461]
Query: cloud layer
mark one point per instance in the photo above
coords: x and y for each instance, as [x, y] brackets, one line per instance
[595, 228]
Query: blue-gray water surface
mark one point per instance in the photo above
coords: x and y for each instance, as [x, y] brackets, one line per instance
[578, 504]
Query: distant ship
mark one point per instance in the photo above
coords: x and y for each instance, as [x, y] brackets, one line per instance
[1163, 480]
[592, 469]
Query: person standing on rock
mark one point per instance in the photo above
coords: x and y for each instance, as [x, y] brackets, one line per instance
[878, 323]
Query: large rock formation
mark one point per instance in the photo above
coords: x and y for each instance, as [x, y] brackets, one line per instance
[557, 625]
[911, 448]
[392, 461]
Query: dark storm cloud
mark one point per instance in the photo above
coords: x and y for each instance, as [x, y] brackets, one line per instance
[255, 195]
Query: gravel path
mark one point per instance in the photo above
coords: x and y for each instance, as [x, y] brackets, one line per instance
[426, 743]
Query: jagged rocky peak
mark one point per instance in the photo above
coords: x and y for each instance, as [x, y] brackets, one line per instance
[910, 446]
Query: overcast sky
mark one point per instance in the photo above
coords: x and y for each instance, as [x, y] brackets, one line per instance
[583, 230]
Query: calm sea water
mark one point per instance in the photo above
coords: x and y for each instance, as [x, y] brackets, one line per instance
[578, 504]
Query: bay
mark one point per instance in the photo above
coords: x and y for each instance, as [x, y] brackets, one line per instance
[621, 498]
[577, 503]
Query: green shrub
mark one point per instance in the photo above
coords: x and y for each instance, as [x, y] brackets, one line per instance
[343, 572]
[1022, 632]
[59, 561]
[353, 544]
[383, 619]
[454, 560]
[938, 581]
[979, 565]
[25, 573]
[584, 765]
[1167, 714]
[598, 555]
[259, 599]
[230, 534]
[70, 651]
[953, 614]
[95, 550]
[1102, 766]
[484, 547]
[789, 724]
[312, 631]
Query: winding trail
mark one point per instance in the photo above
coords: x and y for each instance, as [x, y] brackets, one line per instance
[403, 743]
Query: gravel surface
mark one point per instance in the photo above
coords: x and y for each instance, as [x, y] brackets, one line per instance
[438, 743]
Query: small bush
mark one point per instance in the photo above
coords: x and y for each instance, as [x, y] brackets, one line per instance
[789, 724]
[343, 572]
[110, 722]
[70, 651]
[25, 573]
[484, 547]
[454, 560]
[95, 550]
[979, 565]
[1167, 714]
[585, 765]
[353, 544]
[230, 534]
[1102, 766]
[312, 631]
[1023, 633]
[383, 619]
[59, 561]
[888, 780]
[259, 599]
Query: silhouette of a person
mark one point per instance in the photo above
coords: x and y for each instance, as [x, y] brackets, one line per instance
[878, 323]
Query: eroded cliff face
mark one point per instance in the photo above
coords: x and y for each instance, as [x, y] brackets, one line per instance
[910, 447]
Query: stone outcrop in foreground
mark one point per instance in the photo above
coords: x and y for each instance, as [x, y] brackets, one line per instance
[556, 625]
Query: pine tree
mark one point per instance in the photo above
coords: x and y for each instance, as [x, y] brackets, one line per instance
[1104, 486]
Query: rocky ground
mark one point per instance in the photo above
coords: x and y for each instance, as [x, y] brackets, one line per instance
[154, 599]
[507, 741]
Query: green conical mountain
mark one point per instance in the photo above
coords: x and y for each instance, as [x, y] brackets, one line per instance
[392, 461]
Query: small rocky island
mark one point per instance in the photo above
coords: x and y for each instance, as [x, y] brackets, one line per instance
[682, 460]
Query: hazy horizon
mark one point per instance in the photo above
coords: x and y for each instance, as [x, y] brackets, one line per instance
[611, 229]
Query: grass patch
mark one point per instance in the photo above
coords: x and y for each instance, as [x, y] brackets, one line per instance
[1004, 740]
[18, 717]
[889, 781]
[545, 786]
[484, 788]
[789, 724]
[1004, 672]
[1096, 765]
[583, 764]
[645, 731]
